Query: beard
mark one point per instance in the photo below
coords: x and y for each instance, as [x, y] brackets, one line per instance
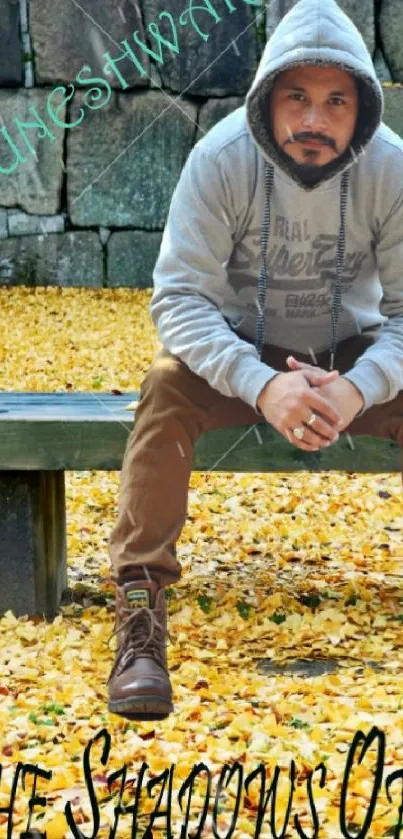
[310, 173]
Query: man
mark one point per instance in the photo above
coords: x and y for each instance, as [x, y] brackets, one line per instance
[284, 242]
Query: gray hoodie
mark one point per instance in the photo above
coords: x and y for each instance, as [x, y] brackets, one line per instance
[249, 249]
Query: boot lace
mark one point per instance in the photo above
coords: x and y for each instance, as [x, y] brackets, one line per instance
[136, 641]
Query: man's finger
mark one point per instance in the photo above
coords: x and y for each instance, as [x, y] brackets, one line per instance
[299, 444]
[317, 378]
[297, 365]
[302, 366]
[318, 403]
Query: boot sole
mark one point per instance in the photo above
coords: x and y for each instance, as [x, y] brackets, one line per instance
[142, 708]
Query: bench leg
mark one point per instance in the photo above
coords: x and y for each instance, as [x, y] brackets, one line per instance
[33, 556]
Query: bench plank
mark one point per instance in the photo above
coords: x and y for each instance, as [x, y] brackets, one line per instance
[262, 449]
[85, 431]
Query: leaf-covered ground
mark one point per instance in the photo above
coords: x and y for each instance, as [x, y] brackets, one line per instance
[278, 569]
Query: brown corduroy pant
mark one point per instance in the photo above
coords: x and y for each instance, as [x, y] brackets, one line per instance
[176, 406]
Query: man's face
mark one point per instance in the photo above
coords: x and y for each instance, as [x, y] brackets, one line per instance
[324, 108]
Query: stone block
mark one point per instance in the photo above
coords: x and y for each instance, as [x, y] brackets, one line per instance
[361, 13]
[65, 259]
[393, 114]
[11, 65]
[131, 153]
[381, 68]
[68, 36]
[34, 166]
[3, 224]
[23, 224]
[214, 110]
[155, 78]
[216, 51]
[391, 32]
[131, 258]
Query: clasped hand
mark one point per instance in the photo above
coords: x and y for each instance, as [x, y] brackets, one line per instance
[289, 400]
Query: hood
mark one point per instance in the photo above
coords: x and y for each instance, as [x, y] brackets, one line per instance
[315, 32]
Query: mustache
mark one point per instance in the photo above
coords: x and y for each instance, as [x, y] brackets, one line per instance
[296, 137]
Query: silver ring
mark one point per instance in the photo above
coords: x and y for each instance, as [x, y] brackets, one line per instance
[312, 419]
[298, 432]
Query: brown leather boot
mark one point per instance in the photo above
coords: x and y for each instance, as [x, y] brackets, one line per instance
[139, 686]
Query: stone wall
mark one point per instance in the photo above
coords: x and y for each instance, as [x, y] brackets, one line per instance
[100, 105]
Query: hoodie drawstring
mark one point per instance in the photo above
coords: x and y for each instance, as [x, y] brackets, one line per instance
[341, 248]
[264, 238]
[263, 279]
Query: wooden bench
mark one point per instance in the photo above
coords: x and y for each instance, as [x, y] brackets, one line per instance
[43, 435]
